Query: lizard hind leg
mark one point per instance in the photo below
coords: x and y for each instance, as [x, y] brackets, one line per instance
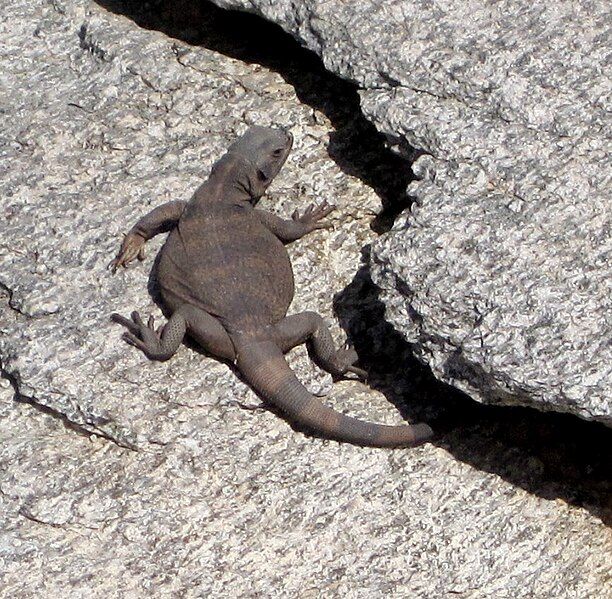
[310, 328]
[157, 344]
[208, 333]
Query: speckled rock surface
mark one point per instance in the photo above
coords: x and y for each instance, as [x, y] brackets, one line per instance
[211, 510]
[88, 155]
[501, 274]
[207, 513]
[125, 478]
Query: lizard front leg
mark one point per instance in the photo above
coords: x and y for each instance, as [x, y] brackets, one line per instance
[161, 219]
[298, 226]
[157, 344]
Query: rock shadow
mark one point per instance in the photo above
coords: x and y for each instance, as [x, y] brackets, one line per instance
[549, 455]
[354, 145]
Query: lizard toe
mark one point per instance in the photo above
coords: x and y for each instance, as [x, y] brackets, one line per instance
[126, 322]
[131, 339]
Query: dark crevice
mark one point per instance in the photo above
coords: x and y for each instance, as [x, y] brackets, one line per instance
[23, 511]
[10, 299]
[550, 455]
[355, 144]
[57, 415]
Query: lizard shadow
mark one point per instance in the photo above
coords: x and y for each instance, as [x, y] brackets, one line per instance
[549, 455]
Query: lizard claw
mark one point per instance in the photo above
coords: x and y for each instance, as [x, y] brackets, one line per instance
[125, 322]
[131, 339]
[313, 215]
[132, 248]
[345, 362]
[137, 320]
[360, 372]
[143, 336]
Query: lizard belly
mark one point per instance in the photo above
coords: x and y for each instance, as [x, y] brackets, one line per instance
[239, 272]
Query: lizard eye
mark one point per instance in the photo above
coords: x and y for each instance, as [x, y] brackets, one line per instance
[277, 152]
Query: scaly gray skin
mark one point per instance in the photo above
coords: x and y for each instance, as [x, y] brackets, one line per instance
[226, 279]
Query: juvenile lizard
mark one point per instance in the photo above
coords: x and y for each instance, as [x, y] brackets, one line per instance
[226, 279]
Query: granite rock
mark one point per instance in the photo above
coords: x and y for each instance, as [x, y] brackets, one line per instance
[211, 510]
[500, 274]
[124, 478]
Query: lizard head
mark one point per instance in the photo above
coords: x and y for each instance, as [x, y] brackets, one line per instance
[265, 150]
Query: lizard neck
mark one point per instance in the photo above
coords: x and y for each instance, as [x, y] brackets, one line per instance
[233, 181]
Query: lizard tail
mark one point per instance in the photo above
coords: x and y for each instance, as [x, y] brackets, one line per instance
[265, 368]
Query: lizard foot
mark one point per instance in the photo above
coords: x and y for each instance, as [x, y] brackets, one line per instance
[144, 337]
[312, 216]
[344, 361]
[132, 247]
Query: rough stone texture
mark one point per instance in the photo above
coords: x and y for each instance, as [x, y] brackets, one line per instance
[125, 478]
[500, 275]
[209, 511]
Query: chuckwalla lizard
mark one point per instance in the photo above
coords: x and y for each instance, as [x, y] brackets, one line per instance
[226, 280]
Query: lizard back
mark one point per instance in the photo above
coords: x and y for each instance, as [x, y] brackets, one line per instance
[222, 259]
